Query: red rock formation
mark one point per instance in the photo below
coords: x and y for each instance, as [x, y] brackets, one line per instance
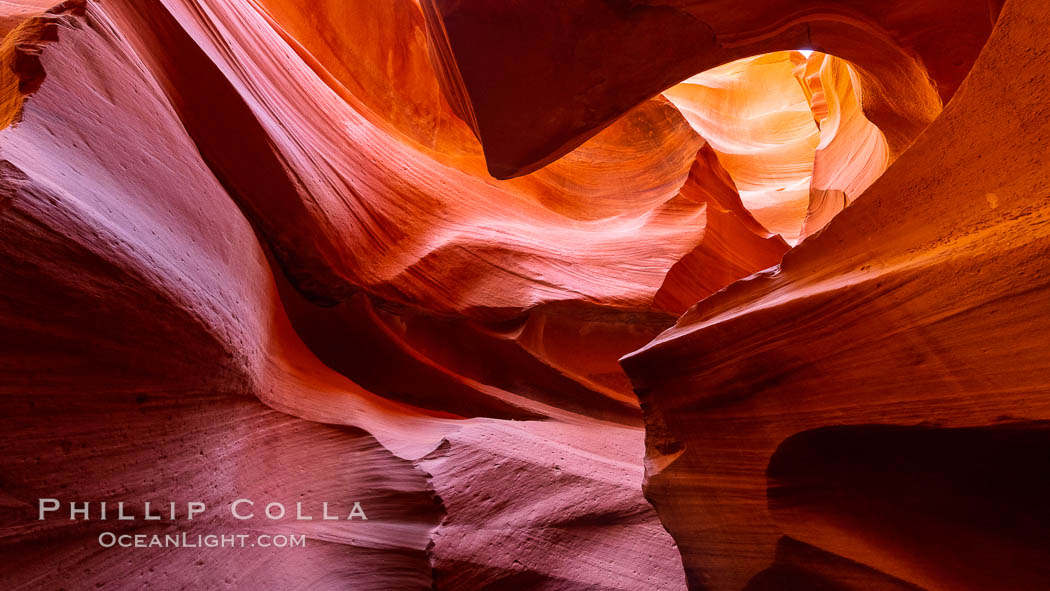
[140, 307]
[758, 120]
[251, 249]
[909, 56]
[920, 307]
[852, 152]
[734, 243]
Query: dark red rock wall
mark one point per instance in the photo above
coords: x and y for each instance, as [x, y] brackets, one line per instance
[253, 249]
[920, 307]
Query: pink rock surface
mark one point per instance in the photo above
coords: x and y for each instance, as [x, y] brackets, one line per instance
[147, 352]
[253, 249]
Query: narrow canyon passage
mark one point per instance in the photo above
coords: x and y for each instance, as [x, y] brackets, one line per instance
[579, 295]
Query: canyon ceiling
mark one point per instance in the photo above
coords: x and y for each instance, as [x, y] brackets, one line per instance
[569, 295]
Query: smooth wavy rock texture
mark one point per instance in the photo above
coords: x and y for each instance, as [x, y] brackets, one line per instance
[594, 294]
[881, 395]
[912, 56]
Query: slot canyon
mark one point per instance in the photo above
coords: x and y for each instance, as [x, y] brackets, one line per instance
[531, 294]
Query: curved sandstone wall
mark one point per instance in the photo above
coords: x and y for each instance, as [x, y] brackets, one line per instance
[577, 295]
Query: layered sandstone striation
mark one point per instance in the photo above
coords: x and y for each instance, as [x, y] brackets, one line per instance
[911, 56]
[393, 253]
[880, 395]
[153, 336]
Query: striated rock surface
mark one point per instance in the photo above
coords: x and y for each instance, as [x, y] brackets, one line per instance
[911, 56]
[877, 396]
[791, 132]
[758, 121]
[153, 348]
[579, 295]
[852, 152]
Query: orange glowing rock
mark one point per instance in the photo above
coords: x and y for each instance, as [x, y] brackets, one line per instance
[852, 152]
[910, 58]
[141, 308]
[757, 118]
[878, 397]
[260, 240]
